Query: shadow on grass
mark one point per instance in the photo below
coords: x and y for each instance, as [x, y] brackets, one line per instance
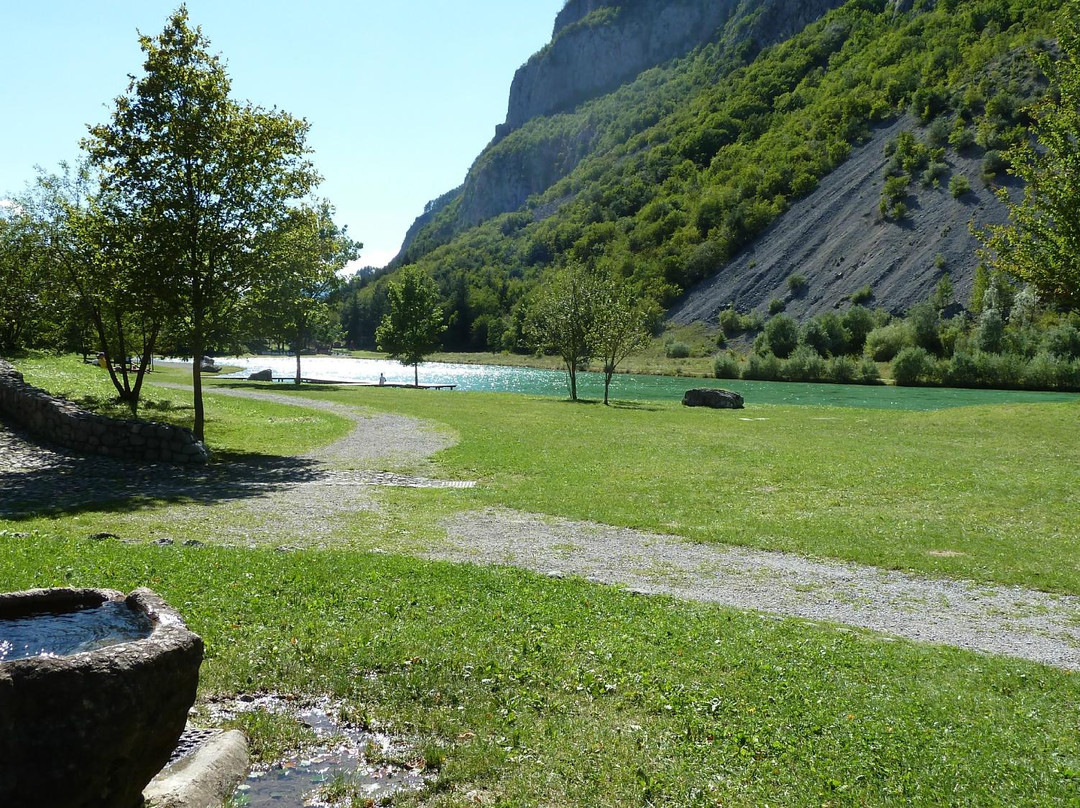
[46, 481]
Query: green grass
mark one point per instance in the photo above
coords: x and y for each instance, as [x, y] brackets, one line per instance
[994, 484]
[541, 692]
[532, 691]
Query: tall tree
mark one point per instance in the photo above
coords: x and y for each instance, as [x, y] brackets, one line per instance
[562, 318]
[294, 302]
[204, 175]
[1041, 242]
[412, 328]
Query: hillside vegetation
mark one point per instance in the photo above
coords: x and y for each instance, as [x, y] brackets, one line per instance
[671, 176]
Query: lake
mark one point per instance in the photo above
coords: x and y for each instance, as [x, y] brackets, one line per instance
[627, 387]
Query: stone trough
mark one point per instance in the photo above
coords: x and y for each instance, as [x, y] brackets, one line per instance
[90, 728]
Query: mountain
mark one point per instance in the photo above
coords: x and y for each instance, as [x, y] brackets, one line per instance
[691, 147]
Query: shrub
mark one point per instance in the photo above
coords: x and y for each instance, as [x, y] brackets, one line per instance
[826, 334]
[858, 322]
[797, 284]
[912, 366]
[931, 177]
[842, 370]
[733, 322]
[761, 367]
[726, 366]
[922, 322]
[805, 365]
[776, 305]
[885, 342]
[1062, 341]
[781, 335]
[862, 295]
[961, 371]
[869, 373]
[962, 138]
[994, 163]
[677, 350]
[959, 186]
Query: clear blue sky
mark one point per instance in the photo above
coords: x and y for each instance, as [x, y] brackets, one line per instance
[401, 95]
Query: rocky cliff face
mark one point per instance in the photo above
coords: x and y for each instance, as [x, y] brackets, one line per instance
[599, 45]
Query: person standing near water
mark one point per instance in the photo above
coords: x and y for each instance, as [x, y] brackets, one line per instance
[382, 379]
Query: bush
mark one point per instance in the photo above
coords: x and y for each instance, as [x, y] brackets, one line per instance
[913, 365]
[761, 367]
[842, 370]
[677, 350]
[1000, 370]
[961, 371]
[1062, 341]
[805, 365]
[781, 335]
[959, 186]
[726, 366]
[797, 284]
[885, 342]
[922, 323]
[858, 322]
[869, 373]
[776, 305]
[862, 295]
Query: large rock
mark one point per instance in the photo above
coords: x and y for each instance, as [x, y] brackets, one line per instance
[712, 397]
[90, 729]
[266, 375]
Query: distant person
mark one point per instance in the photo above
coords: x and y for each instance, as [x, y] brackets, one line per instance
[382, 379]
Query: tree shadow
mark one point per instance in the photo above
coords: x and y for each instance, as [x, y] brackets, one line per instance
[49, 481]
[634, 405]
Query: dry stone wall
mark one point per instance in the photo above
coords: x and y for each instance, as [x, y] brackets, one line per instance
[59, 421]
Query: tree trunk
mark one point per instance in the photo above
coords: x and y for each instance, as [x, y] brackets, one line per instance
[607, 384]
[298, 363]
[416, 374]
[196, 387]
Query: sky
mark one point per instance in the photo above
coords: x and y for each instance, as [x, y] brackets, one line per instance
[401, 95]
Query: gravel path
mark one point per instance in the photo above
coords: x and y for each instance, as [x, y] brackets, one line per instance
[299, 500]
[999, 620]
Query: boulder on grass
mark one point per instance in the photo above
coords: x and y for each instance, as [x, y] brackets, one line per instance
[712, 397]
[262, 376]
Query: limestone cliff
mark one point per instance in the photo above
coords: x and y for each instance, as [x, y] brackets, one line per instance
[597, 46]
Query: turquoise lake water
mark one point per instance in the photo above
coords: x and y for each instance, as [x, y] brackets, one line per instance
[625, 387]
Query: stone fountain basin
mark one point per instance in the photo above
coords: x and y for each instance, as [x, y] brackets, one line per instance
[91, 729]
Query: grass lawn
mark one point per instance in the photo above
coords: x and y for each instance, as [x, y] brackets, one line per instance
[523, 690]
[987, 493]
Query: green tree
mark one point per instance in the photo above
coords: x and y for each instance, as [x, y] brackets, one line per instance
[412, 327]
[204, 176]
[620, 326]
[1041, 242]
[294, 303]
[562, 318]
[25, 300]
[98, 260]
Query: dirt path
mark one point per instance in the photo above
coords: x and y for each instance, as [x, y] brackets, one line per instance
[303, 500]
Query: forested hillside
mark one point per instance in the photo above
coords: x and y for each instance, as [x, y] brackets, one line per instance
[669, 177]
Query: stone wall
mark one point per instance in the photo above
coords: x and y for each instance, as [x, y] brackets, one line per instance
[61, 422]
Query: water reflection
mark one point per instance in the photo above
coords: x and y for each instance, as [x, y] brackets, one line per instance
[60, 634]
